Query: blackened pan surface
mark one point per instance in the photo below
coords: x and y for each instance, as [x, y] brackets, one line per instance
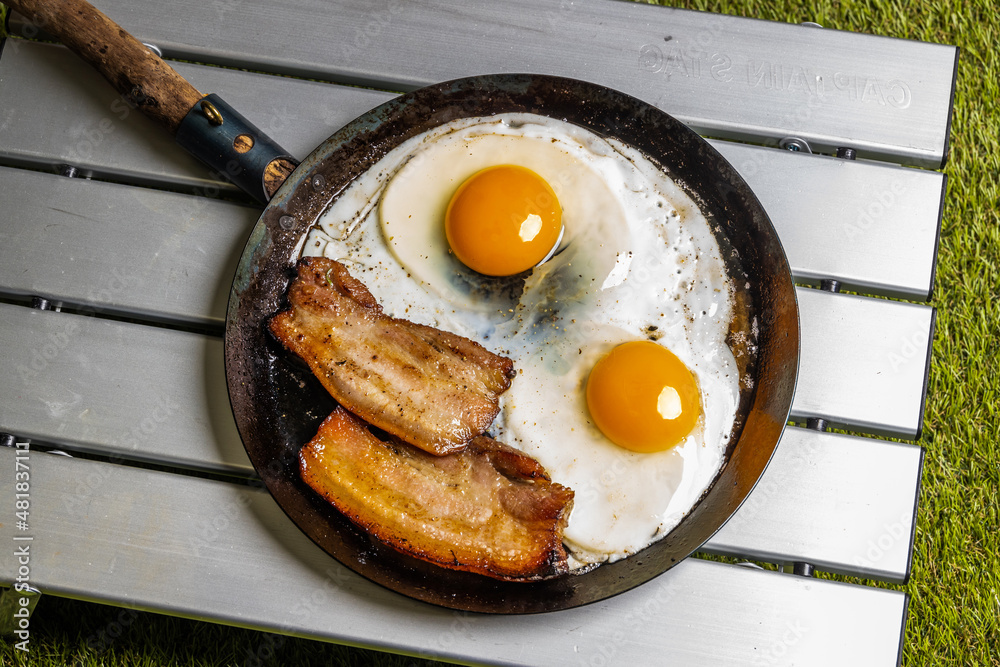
[278, 405]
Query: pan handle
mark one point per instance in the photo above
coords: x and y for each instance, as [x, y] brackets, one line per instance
[204, 125]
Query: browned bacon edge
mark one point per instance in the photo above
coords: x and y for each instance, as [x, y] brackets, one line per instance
[488, 509]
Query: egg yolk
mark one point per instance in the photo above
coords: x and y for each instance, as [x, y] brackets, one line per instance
[503, 220]
[643, 397]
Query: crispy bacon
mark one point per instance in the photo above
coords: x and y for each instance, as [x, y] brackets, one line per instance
[431, 388]
[488, 509]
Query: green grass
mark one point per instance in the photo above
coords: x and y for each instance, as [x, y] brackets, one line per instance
[954, 588]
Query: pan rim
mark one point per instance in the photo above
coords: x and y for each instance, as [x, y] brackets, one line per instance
[299, 194]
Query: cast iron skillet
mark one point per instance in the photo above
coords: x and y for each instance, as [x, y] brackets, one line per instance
[278, 404]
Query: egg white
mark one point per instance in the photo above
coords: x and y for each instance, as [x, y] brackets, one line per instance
[637, 260]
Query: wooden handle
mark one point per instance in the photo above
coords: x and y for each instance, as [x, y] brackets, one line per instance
[143, 79]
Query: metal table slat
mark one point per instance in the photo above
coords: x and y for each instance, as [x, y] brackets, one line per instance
[726, 76]
[65, 385]
[863, 362]
[826, 500]
[166, 422]
[200, 548]
[872, 227]
[175, 255]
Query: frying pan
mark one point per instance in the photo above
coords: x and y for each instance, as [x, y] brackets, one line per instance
[278, 405]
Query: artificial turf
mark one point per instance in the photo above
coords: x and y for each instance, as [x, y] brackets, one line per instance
[954, 599]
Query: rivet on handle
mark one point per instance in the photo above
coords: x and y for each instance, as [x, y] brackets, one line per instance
[211, 113]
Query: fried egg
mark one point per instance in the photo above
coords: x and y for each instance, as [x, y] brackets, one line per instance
[632, 262]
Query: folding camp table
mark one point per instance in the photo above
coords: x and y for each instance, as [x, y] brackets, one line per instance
[117, 251]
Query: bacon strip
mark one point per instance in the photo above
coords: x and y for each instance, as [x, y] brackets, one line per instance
[488, 509]
[431, 388]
